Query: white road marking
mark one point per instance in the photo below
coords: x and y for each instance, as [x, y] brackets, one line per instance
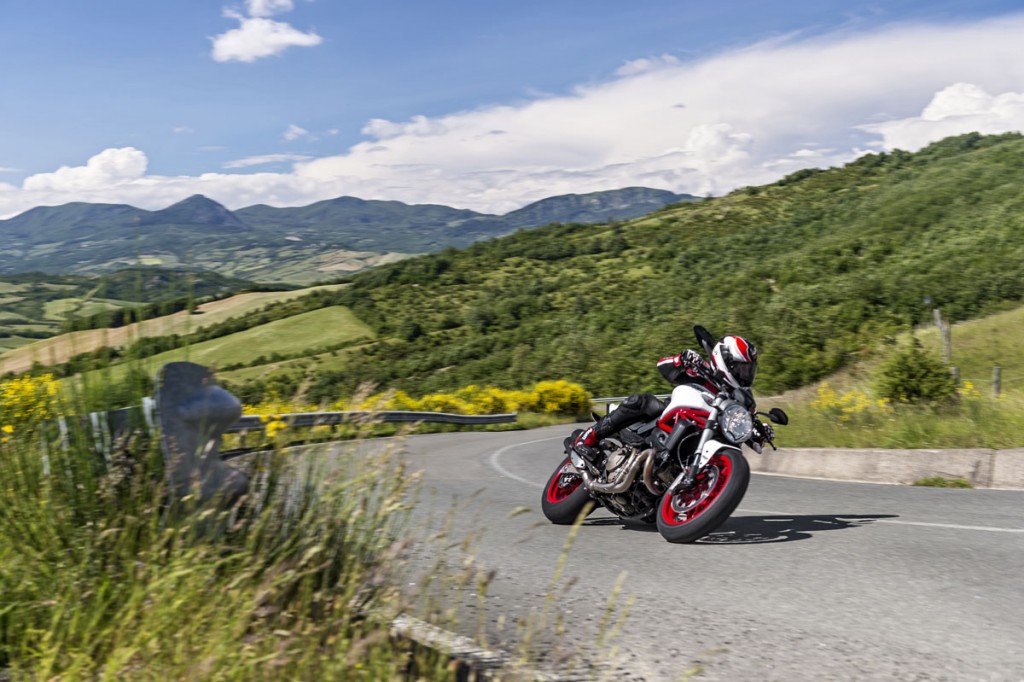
[991, 529]
[496, 456]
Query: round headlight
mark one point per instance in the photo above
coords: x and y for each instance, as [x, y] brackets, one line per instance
[737, 424]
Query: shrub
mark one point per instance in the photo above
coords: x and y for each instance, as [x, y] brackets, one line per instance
[915, 375]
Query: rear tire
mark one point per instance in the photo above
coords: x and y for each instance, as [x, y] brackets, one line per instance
[565, 496]
[691, 514]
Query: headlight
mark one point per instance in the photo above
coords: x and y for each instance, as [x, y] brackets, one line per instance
[737, 424]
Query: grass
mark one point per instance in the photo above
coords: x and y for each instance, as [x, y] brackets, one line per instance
[60, 348]
[62, 307]
[106, 576]
[972, 421]
[942, 482]
[979, 345]
[306, 331]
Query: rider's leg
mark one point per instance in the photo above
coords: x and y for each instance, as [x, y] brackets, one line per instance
[630, 411]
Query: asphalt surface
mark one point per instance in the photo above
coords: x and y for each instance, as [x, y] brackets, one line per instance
[809, 580]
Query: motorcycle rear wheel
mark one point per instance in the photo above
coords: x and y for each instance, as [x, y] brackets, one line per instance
[565, 497]
[690, 514]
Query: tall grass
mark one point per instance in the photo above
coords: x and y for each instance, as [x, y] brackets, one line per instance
[971, 420]
[103, 576]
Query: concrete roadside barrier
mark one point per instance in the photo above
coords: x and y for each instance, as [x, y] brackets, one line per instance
[982, 467]
[1008, 469]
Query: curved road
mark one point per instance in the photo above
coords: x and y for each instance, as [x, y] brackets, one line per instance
[809, 580]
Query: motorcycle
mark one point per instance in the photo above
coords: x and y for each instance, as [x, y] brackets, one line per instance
[683, 471]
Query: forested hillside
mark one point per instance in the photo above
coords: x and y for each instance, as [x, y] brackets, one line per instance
[816, 269]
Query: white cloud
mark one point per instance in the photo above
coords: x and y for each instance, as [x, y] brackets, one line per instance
[5, 169]
[182, 130]
[258, 37]
[635, 66]
[294, 132]
[751, 116]
[959, 108]
[106, 170]
[267, 8]
[265, 159]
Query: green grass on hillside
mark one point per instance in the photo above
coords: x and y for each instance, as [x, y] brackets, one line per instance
[305, 332]
[976, 419]
[982, 344]
[62, 307]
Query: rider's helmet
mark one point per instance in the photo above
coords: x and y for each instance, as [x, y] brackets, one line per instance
[736, 358]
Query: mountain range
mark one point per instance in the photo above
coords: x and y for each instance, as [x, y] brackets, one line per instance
[265, 243]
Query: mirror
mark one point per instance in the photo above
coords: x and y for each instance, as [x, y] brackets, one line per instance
[705, 338]
[778, 416]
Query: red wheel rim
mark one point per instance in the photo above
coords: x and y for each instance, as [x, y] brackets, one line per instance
[686, 505]
[563, 484]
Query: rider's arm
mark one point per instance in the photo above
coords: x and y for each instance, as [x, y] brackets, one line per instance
[687, 367]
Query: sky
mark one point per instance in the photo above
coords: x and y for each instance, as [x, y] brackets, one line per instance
[480, 105]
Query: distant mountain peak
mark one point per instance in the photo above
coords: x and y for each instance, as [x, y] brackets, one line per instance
[197, 210]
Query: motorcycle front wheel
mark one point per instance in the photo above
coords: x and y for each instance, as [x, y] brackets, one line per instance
[690, 514]
[565, 496]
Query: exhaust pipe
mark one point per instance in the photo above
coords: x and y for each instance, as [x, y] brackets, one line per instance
[649, 482]
[621, 482]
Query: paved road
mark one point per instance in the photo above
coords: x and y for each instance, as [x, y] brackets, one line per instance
[810, 580]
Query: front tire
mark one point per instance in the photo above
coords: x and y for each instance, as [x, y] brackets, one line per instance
[689, 515]
[565, 496]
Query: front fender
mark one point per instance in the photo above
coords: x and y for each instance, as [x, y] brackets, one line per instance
[712, 447]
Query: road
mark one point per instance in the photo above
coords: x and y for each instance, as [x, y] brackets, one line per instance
[810, 579]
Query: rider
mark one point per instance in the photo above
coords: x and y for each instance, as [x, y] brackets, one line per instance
[733, 362]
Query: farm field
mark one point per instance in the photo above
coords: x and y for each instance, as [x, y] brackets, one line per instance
[309, 331]
[60, 348]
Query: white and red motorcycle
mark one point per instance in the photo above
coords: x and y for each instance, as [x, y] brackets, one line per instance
[684, 471]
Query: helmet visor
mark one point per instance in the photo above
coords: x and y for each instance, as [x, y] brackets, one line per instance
[743, 372]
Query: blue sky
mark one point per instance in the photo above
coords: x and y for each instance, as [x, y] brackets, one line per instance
[482, 105]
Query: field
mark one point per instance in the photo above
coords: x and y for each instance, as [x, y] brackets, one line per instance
[59, 348]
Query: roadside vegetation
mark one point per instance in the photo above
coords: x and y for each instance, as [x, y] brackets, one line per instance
[105, 576]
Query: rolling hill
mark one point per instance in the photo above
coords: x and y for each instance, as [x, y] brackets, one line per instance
[817, 269]
[263, 243]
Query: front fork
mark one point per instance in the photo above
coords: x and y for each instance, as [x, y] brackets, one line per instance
[688, 475]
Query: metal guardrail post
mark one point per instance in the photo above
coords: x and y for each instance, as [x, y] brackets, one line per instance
[194, 412]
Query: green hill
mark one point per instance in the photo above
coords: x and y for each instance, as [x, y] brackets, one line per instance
[816, 269]
[295, 244]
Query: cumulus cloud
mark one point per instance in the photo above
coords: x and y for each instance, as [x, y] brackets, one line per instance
[265, 159]
[751, 115]
[108, 169]
[257, 36]
[959, 108]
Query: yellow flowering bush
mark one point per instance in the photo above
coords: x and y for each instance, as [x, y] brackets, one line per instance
[551, 397]
[849, 406]
[25, 401]
[968, 391]
[559, 397]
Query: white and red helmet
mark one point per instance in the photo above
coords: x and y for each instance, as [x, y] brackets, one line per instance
[736, 358]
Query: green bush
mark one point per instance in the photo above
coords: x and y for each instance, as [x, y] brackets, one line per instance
[915, 375]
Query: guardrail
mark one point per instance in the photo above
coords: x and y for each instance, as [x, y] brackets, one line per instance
[309, 419]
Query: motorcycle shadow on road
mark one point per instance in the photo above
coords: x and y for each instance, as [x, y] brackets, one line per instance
[762, 529]
[754, 530]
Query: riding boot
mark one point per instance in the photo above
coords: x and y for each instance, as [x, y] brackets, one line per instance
[586, 442]
[633, 409]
